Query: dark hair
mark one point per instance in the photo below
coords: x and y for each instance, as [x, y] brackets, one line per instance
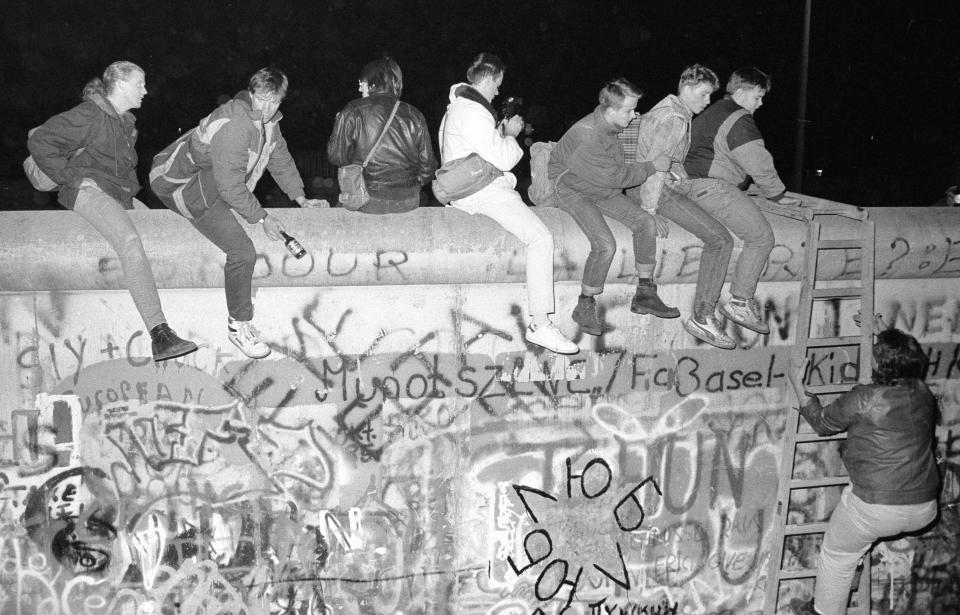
[749, 77]
[897, 355]
[383, 75]
[614, 91]
[485, 65]
[269, 81]
[695, 74]
[113, 74]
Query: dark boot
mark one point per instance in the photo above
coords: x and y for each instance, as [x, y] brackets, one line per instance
[646, 301]
[585, 315]
[166, 344]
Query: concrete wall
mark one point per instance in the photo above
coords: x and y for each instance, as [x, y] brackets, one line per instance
[403, 450]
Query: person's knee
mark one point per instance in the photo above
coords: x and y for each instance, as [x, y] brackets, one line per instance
[718, 239]
[603, 246]
[130, 247]
[242, 254]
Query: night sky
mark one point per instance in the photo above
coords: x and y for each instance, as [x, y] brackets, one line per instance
[884, 79]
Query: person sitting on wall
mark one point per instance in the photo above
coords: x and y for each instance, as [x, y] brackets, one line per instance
[404, 161]
[588, 167]
[727, 153]
[470, 126]
[211, 171]
[89, 152]
[665, 129]
[888, 454]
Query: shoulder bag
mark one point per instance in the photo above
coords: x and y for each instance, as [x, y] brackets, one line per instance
[460, 178]
[353, 189]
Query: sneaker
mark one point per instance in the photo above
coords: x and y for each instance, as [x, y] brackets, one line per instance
[167, 345]
[549, 337]
[646, 301]
[710, 332]
[585, 315]
[745, 313]
[246, 337]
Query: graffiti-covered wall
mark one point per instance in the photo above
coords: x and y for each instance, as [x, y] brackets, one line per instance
[403, 449]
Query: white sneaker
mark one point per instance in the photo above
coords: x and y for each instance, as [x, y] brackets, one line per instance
[746, 314]
[246, 337]
[710, 332]
[549, 337]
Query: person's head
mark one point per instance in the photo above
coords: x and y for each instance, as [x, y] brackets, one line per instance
[123, 83]
[267, 87]
[618, 101]
[897, 355]
[381, 76]
[697, 83]
[486, 75]
[747, 86]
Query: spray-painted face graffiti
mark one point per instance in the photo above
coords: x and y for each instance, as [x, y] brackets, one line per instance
[72, 518]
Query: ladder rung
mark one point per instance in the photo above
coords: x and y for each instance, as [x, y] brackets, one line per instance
[805, 528]
[826, 389]
[843, 340]
[813, 483]
[838, 244]
[836, 293]
[812, 437]
[803, 573]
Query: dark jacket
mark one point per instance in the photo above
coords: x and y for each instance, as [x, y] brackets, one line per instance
[889, 448]
[224, 157]
[403, 162]
[592, 154]
[725, 143]
[109, 157]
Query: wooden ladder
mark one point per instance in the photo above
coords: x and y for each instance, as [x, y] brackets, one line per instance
[811, 292]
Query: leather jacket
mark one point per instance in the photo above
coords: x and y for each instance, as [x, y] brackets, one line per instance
[889, 448]
[403, 162]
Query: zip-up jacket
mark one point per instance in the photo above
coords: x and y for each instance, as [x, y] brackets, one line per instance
[404, 160]
[664, 130]
[725, 143]
[109, 157]
[226, 155]
[889, 448]
[593, 159]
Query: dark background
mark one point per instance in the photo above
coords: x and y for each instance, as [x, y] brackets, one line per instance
[881, 129]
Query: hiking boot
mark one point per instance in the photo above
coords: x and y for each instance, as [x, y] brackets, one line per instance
[709, 331]
[167, 345]
[746, 313]
[549, 337]
[585, 315]
[646, 301]
[246, 337]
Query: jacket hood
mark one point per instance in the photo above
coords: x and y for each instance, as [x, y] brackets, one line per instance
[107, 107]
[468, 92]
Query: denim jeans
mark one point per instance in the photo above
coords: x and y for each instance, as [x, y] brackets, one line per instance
[717, 247]
[588, 213]
[853, 527]
[220, 225]
[108, 216]
[738, 212]
[502, 203]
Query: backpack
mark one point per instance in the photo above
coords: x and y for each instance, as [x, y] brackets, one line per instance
[40, 180]
[541, 187]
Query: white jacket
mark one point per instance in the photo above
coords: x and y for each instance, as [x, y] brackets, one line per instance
[468, 127]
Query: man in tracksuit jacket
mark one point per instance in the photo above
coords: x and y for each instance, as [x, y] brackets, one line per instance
[590, 173]
[726, 154]
[211, 171]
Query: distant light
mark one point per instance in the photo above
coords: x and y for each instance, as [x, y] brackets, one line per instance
[819, 172]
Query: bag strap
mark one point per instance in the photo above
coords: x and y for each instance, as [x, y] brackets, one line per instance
[382, 132]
